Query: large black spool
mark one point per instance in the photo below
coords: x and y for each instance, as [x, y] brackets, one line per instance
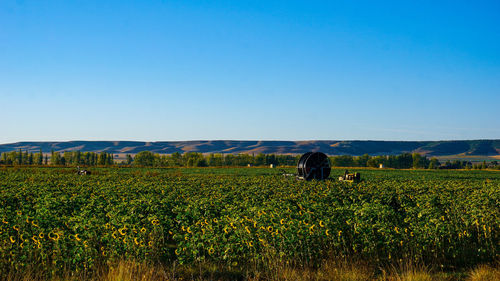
[313, 165]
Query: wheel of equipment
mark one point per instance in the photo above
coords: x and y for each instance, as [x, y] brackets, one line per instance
[301, 164]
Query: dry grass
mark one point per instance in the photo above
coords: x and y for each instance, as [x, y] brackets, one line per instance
[329, 270]
[345, 271]
[413, 276]
[408, 271]
[484, 273]
[127, 270]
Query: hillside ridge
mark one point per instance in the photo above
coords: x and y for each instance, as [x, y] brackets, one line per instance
[330, 147]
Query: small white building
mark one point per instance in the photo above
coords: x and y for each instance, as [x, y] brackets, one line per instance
[380, 166]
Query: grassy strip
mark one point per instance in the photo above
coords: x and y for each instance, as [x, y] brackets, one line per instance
[329, 270]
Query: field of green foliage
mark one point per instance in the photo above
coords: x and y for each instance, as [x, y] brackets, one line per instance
[52, 218]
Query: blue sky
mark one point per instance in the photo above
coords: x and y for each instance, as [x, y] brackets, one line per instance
[247, 70]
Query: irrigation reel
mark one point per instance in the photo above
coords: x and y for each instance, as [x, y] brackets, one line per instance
[312, 165]
[316, 165]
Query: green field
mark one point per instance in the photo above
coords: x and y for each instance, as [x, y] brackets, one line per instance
[54, 220]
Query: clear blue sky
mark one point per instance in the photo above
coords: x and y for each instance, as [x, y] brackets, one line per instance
[247, 70]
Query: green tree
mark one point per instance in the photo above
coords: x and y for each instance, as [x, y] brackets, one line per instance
[342, 161]
[129, 159]
[375, 162]
[434, 163]
[416, 160]
[404, 161]
[55, 159]
[101, 159]
[144, 158]
[39, 158]
[271, 159]
[25, 159]
[20, 157]
[68, 158]
[201, 162]
[77, 157]
[109, 159]
[87, 158]
[177, 159]
[362, 160]
[260, 159]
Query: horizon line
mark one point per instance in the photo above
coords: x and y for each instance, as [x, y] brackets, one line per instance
[244, 140]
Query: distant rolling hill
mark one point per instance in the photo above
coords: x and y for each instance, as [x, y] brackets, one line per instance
[330, 147]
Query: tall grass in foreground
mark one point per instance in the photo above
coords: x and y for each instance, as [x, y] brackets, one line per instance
[329, 270]
[484, 273]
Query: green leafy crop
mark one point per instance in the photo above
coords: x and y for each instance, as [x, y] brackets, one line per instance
[52, 217]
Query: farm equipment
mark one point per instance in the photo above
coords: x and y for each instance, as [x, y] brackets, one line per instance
[316, 165]
[355, 177]
[82, 172]
[313, 165]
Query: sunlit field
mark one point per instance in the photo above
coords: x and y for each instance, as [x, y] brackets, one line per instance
[247, 223]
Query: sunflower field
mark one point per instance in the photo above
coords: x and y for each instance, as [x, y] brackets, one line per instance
[53, 218]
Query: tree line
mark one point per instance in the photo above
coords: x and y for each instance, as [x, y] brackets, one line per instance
[196, 159]
[67, 158]
[407, 161]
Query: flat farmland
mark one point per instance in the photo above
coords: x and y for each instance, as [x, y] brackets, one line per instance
[54, 220]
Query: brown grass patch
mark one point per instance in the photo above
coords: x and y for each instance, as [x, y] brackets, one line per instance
[329, 270]
[484, 273]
